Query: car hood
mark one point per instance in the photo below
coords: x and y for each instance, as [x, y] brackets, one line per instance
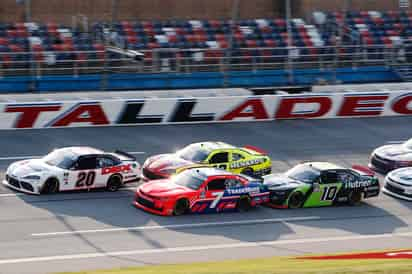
[162, 188]
[27, 167]
[280, 181]
[402, 175]
[167, 161]
[394, 152]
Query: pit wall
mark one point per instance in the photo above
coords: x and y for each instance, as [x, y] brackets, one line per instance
[165, 111]
[259, 78]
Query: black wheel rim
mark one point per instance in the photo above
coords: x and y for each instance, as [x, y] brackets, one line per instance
[356, 197]
[180, 207]
[295, 201]
[114, 184]
[244, 204]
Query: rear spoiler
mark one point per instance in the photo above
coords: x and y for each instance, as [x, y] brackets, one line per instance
[364, 169]
[261, 151]
[125, 154]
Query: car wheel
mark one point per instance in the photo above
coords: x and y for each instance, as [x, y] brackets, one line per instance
[114, 183]
[51, 186]
[355, 198]
[296, 200]
[248, 172]
[181, 207]
[244, 204]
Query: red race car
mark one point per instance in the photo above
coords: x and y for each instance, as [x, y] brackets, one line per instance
[201, 190]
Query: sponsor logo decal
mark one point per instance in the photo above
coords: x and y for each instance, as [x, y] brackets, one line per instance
[246, 163]
[117, 169]
[359, 184]
[237, 191]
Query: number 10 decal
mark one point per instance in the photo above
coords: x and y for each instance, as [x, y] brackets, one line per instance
[85, 179]
[329, 193]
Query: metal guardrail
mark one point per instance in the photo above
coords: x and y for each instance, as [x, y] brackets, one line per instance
[37, 64]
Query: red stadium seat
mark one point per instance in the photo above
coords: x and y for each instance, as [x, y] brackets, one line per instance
[215, 24]
[15, 48]
[270, 43]
[132, 39]
[147, 24]
[251, 43]
[4, 41]
[11, 33]
[153, 45]
[223, 44]
[220, 37]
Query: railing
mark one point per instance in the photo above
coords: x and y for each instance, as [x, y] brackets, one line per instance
[37, 64]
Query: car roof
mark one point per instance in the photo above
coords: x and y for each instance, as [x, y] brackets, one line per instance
[322, 166]
[210, 146]
[82, 150]
[206, 172]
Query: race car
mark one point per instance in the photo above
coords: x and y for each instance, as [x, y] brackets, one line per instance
[398, 183]
[73, 168]
[316, 184]
[247, 160]
[200, 190]
[389, 157]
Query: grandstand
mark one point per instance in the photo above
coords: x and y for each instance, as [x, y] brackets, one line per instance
[326, 44]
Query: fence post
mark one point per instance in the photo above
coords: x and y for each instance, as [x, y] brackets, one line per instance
[290, 42]
[104, 81]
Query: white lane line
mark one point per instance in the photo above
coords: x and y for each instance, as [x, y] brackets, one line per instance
[7, 158]
[5, 195]
[11, 195]
[201, 248]
[157, 227]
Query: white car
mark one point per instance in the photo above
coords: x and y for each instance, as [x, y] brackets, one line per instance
[73, 168]
[398, 183]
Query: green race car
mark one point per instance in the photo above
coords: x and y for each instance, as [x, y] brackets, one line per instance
[318, 184]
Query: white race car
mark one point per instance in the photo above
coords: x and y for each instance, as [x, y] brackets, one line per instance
[398, 183]
[73, 168]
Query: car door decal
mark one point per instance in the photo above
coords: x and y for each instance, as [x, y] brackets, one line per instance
[218, 196]
[85, 179]
[329, 193]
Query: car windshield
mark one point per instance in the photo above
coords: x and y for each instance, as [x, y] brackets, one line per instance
[188, 179]
[408, 144]
[193, 153]
[303, 173]
[61, 158]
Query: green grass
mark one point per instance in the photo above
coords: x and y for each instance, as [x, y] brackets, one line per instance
[281, 265]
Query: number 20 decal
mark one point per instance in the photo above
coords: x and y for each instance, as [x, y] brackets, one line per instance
[85, 179]
[329, 193]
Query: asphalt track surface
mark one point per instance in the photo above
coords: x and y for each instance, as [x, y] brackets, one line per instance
[99, 230]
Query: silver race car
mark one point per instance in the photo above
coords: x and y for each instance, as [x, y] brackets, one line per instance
[398, 183]
[73, 168]
[389, 157]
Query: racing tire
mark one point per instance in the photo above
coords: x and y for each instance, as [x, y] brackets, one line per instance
[181, 207]
[244, 204]
[114, 183]
[296, 200]
[355, 198]
[248, 172]
[51, 186]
